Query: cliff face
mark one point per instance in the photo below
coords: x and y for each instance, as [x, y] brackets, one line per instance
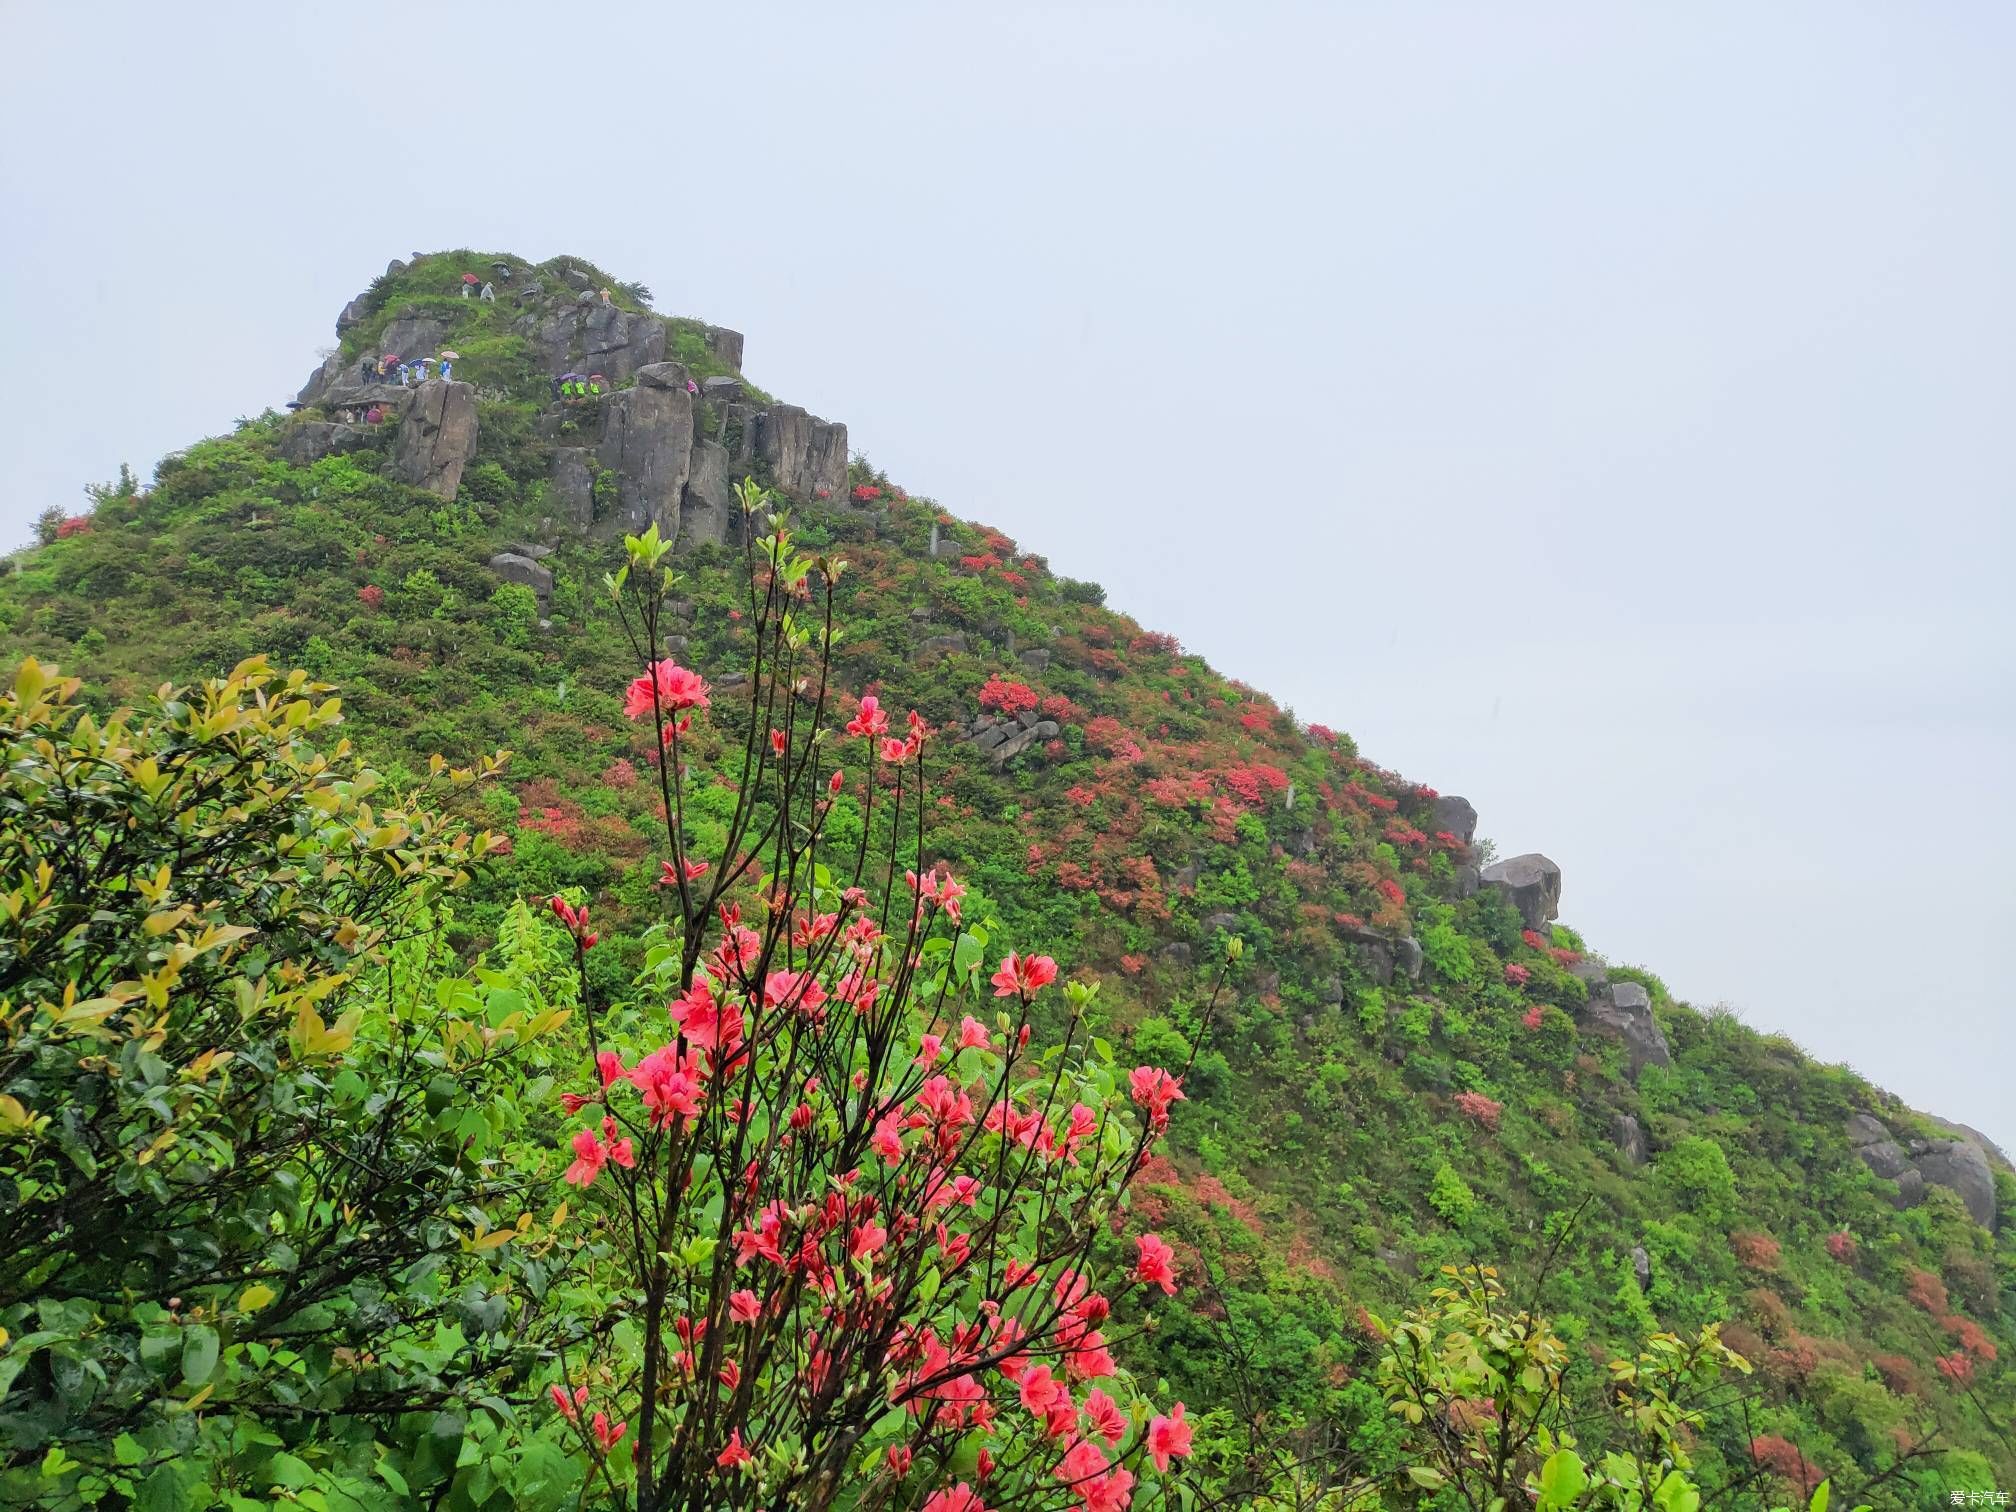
[1421, 1062]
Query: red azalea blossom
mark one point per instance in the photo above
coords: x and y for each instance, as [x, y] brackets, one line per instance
[1168, 1437]
[1157, 1265]
[870, 719]
[1023, 976]
[677, 689]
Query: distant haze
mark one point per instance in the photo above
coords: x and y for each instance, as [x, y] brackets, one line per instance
[1605, 412]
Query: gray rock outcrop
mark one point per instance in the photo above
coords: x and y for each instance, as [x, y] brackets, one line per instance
[574, 484]
[513, 568]
[412, 335]
[1962, 1166]
[807, 456]
[1407, 958]
[1531, 883]
[726, 345]
[647, 441]
[311, 440]
[437, 437]
[1625, 1010]
[710, 514]
[594, 338]
[1629, 1136]
[1454, 816]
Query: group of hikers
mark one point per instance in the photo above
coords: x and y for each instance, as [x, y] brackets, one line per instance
[404, 371]
[477, 288]
[594, 385]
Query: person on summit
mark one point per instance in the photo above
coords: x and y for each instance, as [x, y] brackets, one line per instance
[469, 283]
[605, 297]
[488, 293]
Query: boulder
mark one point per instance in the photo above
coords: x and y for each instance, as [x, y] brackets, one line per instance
[1641, 1266]
[514, 568]
[726, 345]
[721, 390]
[647, 441]
[1453, 815]
[1591, 972]
[1224, 920]
[394, 268]
[312, 440]
[942, 550]
[1625, 1009]
[991, 738]
[807, 456]
[1629, 1136]
[437, 437]
[531, 549]
[350, 315]
[1377, 958]
[1991, 1151]
[1176, 953]
[935, 646]
[574, 484]
[1034, 661]
[1018, 740]
[1468, 880]
[1531, 883]
[1962, 1168]
[709, 515]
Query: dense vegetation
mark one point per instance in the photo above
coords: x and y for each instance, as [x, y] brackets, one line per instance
[1341, 1137]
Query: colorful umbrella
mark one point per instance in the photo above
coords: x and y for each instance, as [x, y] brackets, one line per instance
[391, 356]
[572, 377]
[470, 278]
[451, 356]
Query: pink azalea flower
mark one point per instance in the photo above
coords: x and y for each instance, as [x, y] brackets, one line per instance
[1168, 1437]
[1157, 1265]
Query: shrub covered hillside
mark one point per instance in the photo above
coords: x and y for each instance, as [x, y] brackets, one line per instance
[1415, 1064]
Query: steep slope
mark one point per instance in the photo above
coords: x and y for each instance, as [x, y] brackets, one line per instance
[1420, 1065]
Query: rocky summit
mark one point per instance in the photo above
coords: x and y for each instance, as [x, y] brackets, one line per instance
[1415, 1060]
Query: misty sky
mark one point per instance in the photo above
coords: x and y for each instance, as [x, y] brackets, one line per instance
[1606, 412]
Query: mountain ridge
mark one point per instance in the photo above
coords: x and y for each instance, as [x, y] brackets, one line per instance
[1415, 1024]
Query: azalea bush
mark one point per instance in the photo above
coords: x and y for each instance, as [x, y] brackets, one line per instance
[257, 1193]
[860, 1168]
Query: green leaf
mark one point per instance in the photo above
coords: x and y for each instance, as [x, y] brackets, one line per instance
[285, 1470]
[1676, 1494]
[1427, 1479]
[1821, 1493]
[1562, 1479]
[199, 1353]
